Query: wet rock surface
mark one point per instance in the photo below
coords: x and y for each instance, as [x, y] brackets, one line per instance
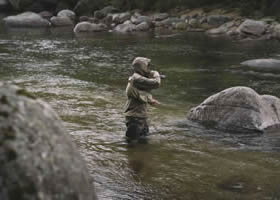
[27, 19]
[238, 109]
[263, 64]
[37, 158]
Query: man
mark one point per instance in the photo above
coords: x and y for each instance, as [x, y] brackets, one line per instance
[138, 94]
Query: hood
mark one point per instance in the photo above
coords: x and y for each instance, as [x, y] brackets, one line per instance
[141, 65]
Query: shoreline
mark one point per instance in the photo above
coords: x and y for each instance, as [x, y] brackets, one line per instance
[214, 22]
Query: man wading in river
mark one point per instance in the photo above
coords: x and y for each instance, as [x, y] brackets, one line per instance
[138, 94]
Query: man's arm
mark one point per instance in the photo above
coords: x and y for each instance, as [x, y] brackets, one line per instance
[144, 83]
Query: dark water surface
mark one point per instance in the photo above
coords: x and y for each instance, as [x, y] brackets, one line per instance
[84, 77]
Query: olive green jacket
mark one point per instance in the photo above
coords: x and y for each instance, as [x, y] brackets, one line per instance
[138, 94]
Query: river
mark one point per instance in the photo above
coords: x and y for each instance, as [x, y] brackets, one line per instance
[83, 77]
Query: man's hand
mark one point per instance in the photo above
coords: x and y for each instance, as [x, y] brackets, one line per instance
[155, 102]
[155, 74]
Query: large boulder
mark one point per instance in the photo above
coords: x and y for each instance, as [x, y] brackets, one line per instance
[238, 109]
[27, 19]
[89, 27]
[253, 27]
[37, 158]
[268, 64]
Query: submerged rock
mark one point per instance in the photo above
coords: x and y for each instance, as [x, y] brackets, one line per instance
[263, 64]
[27, 19]
[37, 158]
[238, 109]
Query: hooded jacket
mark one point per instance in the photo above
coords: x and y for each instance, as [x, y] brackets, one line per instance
[139, 87]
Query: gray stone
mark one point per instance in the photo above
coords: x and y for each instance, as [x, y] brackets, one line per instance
[238, 109]
[263, 64]
[27, 19]
[61, 21]
[121, 17]
[223, 29]
[89, 27]
[125, 28]
[144, 26]
[253, 27]
[160, 16]
[276, 31]
[181, 26]
[194, 22]
[67, 13]
[37, 157]
[140, 19]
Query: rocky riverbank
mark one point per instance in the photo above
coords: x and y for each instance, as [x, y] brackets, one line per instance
[216, 22]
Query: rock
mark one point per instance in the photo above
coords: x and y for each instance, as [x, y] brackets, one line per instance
[67, 13]
[218, 20]
[238, 109]
[125, 28]
[121, 17]
[252, 27]
[160, 16]
[140, 19]
[27, 19]
[89, 27]
[181, 26]
[194, 22]
[61, 21]
[276, 32]
[144, 26]
[38, 159]
[263, 64]
[223, 29]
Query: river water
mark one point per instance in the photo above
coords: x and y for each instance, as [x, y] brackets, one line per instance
[84, 77]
